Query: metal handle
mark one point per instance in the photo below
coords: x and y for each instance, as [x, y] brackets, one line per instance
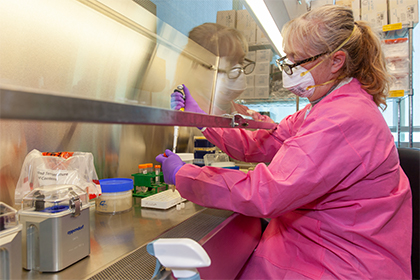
[75, 204]
[239, 120]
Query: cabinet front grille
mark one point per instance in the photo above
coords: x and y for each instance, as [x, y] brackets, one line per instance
[140, 265]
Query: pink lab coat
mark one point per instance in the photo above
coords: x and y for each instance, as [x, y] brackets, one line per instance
[339, 201]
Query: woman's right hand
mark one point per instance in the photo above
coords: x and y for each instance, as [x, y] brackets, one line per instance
[189, 104]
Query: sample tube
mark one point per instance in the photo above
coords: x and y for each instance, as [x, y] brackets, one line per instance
[149, 167]
[142, 167]
[143, 170]
[149, 170]
[157, 173]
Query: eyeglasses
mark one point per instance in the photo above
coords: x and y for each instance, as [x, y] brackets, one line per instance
[234, 72]
[287, 68]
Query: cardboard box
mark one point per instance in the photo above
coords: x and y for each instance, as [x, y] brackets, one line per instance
[250, 36]
[262, 92]
[226, 18]
[319, 3]
[265, 55]
[248, 93]
[375, 12]
[353, 4]
[246, 24]
[403, 11]
[261, 39]
[250, 80]
[262, 68]
[244, 20]
[252, 55]
[262, 80]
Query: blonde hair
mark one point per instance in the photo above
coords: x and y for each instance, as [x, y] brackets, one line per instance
[221, 41]
[324, 29]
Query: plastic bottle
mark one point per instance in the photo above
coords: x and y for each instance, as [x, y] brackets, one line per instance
[180, 255]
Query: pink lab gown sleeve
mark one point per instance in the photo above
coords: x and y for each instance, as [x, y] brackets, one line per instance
[339, 201]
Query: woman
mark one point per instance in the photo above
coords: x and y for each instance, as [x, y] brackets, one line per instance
[339, 203]
[231, 46]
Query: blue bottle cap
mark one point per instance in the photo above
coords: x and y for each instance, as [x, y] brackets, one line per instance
[116, 185]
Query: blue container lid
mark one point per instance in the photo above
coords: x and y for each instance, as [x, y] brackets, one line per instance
[116, 185]
[56, 209]
[231, 167]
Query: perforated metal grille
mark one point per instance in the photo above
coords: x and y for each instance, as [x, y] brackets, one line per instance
[140, 265]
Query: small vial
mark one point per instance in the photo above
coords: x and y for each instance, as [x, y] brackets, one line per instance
[157, 173]
[150, 171]
[149, 167]
[143, 170]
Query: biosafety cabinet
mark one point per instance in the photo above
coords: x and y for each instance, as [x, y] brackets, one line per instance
[96, 76]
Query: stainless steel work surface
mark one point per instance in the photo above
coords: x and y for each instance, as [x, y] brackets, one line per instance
[114, 236]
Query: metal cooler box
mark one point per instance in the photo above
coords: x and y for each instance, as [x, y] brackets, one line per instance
[56, 228]
[10, 243]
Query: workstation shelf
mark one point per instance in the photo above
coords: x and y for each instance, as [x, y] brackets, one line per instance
[18, 104]
[290, 101]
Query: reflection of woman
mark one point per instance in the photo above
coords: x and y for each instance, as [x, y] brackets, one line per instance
[339, 202]
[231, 46]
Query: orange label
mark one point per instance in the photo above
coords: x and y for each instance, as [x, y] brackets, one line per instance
[64, 155]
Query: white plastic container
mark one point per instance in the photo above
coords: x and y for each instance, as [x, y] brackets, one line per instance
[223, 164]
[116, 196]
[186, 157]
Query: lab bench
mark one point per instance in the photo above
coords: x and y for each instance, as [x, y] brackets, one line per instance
[118, 242]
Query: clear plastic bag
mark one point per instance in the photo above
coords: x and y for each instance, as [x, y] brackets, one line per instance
[64, 168]
[396, 52]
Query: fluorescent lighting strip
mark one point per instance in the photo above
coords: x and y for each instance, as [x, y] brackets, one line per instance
[265, 19]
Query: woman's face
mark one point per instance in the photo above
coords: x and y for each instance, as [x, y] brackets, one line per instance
[228, 89]
[321, 73]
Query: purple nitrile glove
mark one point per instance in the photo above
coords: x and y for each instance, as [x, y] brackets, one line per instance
[171, 163]
[189, 104]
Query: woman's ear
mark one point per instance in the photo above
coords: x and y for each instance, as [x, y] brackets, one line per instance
[338, 60]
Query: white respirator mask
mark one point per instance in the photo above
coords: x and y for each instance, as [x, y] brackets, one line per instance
[227, 89]
[301, 84]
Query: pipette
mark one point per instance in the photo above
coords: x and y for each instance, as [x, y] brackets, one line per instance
[179, 89]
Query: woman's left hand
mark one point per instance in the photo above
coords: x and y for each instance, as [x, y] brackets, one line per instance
[171, 163]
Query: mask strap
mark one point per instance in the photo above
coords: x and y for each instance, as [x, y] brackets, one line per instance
[339, 47]
[326, 83]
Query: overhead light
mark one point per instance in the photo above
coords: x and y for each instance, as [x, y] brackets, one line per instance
[266, 22]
